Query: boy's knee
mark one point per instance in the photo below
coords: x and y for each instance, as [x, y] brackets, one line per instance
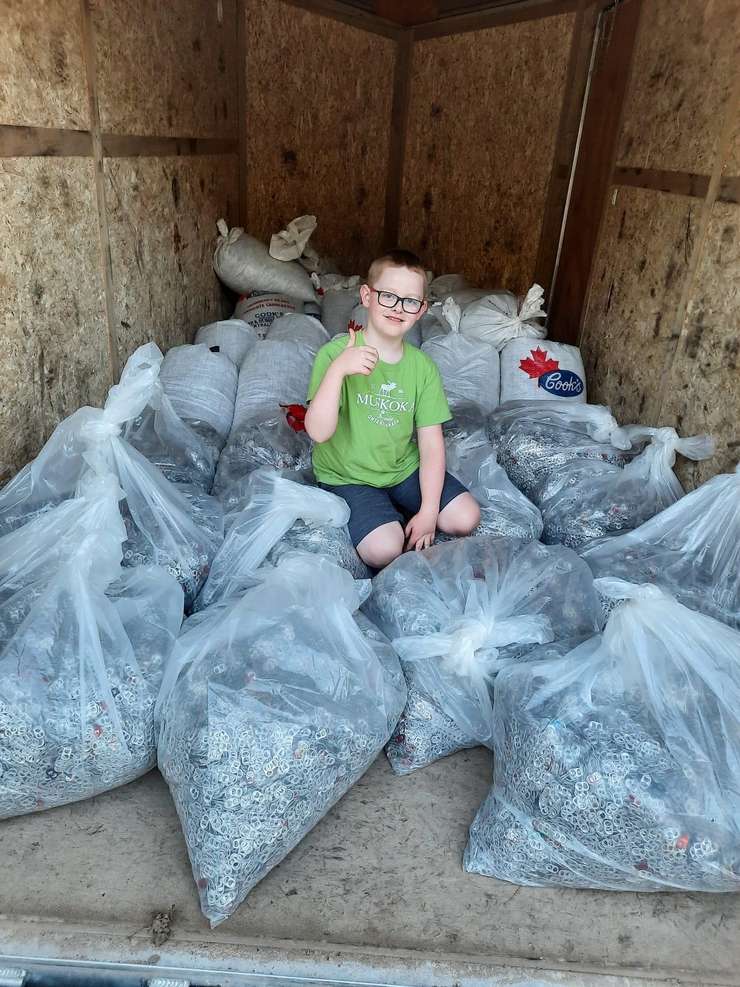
[382, 545]
[461, 516]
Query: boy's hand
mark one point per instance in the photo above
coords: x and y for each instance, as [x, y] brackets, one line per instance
[420, 530]
[356, 359]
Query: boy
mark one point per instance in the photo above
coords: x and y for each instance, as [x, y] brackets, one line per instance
[369, 393]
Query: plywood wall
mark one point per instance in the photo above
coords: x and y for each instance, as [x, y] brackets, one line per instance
[318, 102]
[68, 315]
[661, 330]
[483, 123]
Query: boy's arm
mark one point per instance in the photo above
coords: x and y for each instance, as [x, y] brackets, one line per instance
[323, 410]
[421, 528]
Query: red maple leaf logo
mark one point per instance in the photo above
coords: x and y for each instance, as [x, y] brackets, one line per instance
[538, 364]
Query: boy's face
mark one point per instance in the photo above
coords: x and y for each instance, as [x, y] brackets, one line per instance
[399, 281]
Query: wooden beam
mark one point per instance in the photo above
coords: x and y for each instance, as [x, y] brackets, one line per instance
[408, 13]
[594, 168]
[133, 146]
[677, 182]
[347, 14]
[563, 162]
[89, 55]
[45, 142]
[397, 139]
[241, 106]
[509, 13]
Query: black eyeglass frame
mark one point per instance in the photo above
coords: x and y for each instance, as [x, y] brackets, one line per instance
[416, 301]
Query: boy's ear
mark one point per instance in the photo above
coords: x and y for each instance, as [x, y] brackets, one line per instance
[365, 294]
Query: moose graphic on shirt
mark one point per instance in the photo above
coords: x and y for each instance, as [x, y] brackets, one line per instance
[385, 389]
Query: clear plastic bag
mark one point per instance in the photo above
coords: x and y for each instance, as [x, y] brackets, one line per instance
[691, 549]
[469, 368]
[271, 444]
[459, 612]
[617, 767]
[536, 439]
[159, 520]
[201, 385]
[272, 506]
[83, 646]
[609, 503]
[272, 711]
[504, 510]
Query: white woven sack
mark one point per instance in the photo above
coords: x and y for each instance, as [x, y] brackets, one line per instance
[337, 305]
[469, 368]
[201, 385]
[275, 372]
[358, 321]
[445, 285]
[500, 316]
[299, 329]
[432, 323]
[244, 264]
[261, 308]
[532, 371]
[232, 336]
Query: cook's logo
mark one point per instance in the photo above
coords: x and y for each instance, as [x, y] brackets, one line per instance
[384, 405]
[546, 371]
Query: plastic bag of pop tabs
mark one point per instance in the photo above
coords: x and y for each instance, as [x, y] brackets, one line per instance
[504, 510]
[83, 647]
[536, 439]
[271, 444]
[455, 614]
[617, 767]
[272, 712]
[469, 368]
[691, 550]
[160, 519]
[266, 528]
[596, 506]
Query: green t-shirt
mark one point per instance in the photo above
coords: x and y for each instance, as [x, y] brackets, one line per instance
[374, 442]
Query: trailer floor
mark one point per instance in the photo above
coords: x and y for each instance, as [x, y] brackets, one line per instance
[380, 877]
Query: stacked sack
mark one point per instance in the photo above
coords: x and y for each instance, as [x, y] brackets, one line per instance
[456, 614]
[232, 337]
[177, 527]
[616, 765]
[83, 648]
[267, 717]
[275, 374]
[691, 550]
[201, 384]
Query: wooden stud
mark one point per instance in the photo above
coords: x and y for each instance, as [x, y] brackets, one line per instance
[241, 106]
[89, 57]
[45, 142]
[594, 167]
[397, 139]
[509, 13]
[355, 16]
[563, 161]
[678, 182]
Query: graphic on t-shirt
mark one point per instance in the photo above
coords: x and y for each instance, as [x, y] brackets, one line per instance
[383, 405]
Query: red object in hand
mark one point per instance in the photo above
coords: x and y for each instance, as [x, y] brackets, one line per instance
[295, 415]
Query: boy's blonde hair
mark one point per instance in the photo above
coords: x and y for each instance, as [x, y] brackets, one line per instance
[396, 258]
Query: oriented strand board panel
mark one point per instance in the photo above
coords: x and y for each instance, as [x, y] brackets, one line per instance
[42, 81]
[167, 69]
[702, 393]
[680, 84]
[482, 126]
[318, 111]
[54, 352]
[636, 283]
[162, 214]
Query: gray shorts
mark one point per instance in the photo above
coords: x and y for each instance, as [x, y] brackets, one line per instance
[372, 506]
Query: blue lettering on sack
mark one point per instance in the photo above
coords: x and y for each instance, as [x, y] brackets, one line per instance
[561, 383]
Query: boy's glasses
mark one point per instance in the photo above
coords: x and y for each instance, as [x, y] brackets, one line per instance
[412, 306]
